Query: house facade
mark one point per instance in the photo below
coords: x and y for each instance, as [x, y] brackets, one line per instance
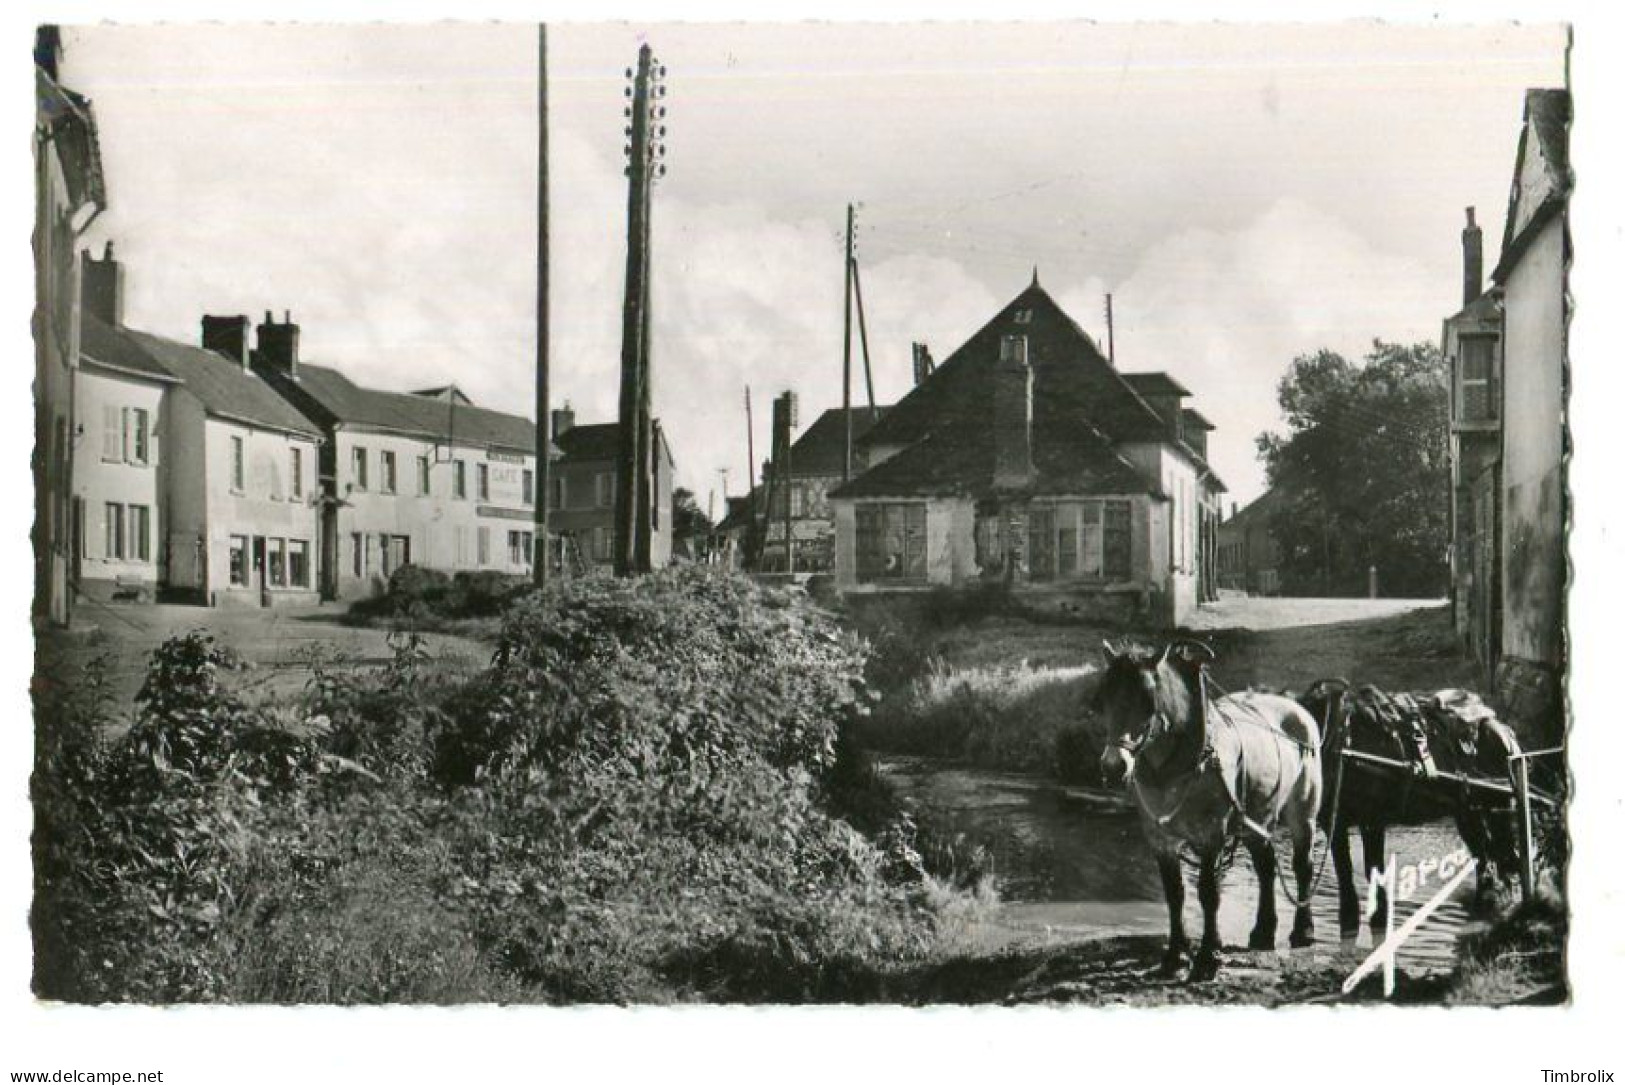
[581, 514]
[69, 193]
[816, 466]
[1508, 355]
[194, 479]
[424, 478]
[1533, 276]
[120, 484]
[1027, 460]
[1248, 558]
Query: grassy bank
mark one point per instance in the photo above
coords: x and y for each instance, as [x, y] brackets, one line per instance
[997, 688]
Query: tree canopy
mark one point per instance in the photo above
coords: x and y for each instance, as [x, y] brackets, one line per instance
[1362, 473]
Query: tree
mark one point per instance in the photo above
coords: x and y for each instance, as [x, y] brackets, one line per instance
[690, 526]
[1363, 472]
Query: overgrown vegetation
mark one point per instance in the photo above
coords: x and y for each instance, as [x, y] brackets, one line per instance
[633, 802]
[418, 597]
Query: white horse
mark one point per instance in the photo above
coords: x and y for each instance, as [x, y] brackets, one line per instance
[1204, 772]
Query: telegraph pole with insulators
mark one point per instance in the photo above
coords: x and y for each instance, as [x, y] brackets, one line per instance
[541, 498]
[645, 132]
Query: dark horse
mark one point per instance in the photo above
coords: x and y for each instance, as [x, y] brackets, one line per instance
[1206, 772]
[1424, 735]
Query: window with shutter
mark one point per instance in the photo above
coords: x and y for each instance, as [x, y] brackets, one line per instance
[112, 434]
[1477, 364]
[1116, 543]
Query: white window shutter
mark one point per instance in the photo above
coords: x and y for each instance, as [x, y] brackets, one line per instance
[112, 433]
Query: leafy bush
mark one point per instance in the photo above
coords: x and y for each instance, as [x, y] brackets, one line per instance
[631, 803]
[425, 597]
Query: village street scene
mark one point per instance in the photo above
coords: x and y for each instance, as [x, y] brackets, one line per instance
[801, 514]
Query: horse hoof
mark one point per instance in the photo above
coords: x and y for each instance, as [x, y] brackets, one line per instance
[1302, 939]
[1349, 934]
[1173, 963]
[1261, 940]
[1205, 967]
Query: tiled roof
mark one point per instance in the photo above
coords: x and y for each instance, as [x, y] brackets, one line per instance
[598, 442]
[348, 403]
[821, 448]
[1155, 384]
[1486, 307]
[958, 461]
[1546, 115]
[224, 389]
[1082, 408]
[109, 348]
[1261, 506]
[1071, 380]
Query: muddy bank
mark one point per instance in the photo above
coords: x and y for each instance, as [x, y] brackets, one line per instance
[1081, 915]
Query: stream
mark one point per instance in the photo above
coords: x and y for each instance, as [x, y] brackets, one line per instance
[1072, 864]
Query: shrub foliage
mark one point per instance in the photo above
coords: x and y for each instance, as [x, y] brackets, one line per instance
[629, 803]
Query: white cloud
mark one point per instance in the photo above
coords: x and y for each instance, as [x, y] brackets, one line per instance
[1227, 312]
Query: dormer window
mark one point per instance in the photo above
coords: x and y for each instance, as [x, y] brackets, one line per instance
[1024, 316]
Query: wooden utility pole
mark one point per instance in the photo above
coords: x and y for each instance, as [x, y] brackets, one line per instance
[633, 458]
[784, 424]
[750, 447]
[863, 338]
[540, 499]
[846, 356]
[1111, 342]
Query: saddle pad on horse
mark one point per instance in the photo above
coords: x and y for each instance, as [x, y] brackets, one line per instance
[1401, 715]
[1457, 716]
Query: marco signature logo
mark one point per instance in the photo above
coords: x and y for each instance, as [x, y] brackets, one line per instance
[1403, 884]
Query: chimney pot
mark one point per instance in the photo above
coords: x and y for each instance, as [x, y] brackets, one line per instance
[1472, 259]
[564, 420]
[227, 336]
[102, 286]
[279, 346]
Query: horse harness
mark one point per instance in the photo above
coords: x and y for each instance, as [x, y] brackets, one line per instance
[1208, 759]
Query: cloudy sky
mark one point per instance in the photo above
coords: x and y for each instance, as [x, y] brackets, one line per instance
[1246, 195]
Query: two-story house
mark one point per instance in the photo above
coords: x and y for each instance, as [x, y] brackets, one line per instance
[1026, 459]
[425, 478]
[581, 514]
[195, 475]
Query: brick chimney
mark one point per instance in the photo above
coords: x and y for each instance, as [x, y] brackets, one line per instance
[924, 365]
[1012, 416]
[227, 336]
[1472, 260]
[564, 420]
[278, 344]
[103, 282]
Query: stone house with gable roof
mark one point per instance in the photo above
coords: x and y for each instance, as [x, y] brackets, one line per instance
[1026, 459]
